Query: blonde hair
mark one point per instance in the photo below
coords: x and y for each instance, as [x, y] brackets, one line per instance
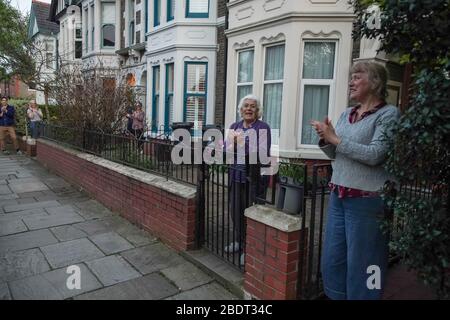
[257, 102]
[377, 75]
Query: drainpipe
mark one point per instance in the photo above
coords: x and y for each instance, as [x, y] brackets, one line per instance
[225, 67]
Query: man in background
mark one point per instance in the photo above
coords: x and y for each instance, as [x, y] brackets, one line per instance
[7, 123]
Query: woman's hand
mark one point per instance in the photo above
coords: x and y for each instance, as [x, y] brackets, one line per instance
[326, 131]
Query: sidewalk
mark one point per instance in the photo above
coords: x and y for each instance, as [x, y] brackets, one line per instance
[47, 225]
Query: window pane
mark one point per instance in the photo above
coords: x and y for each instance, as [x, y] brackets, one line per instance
[156, 112]
[49, 60]
[78, 49]
[156, 80]
[245, 73]
[108, 13]
[170, 9]
[198, 6]
[109, 35]
[170, 78]
[195, 109]
[273, 94]
[131, 36]
[170, 106]
[196, 74]
[274, 69]
[49, 45]
[315, 107]
[78, 33]
[157, 11]
[242, 91]
[318, 62]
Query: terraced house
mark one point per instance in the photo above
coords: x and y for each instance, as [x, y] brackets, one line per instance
[192, 60]
[171, 52]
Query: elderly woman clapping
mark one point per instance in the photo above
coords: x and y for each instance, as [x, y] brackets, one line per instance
[240, 141]
[355, 253]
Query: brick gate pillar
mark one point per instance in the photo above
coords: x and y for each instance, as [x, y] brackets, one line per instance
[273, 247]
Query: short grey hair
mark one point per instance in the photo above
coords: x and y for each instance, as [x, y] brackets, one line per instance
[254, 98]
[377, 75]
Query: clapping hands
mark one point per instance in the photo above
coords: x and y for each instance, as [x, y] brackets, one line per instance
[326, 131]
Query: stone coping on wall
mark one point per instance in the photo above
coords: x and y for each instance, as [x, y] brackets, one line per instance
[274, 218]
[176, 188]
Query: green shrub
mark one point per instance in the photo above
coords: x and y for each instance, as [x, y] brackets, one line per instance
[417, 31]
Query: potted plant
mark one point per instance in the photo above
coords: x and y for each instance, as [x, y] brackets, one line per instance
[291, 187]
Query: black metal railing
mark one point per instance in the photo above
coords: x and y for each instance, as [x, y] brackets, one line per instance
[315, 202]
[143, 153]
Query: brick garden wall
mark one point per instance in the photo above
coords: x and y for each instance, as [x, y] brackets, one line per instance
[164, 208]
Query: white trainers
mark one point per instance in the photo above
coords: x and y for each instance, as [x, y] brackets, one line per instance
[233, 247]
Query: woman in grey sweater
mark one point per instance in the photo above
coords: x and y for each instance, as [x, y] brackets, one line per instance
[355, 253]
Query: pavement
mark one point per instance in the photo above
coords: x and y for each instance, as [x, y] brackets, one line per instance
[48, 226]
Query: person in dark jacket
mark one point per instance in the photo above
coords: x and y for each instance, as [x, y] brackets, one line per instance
[7, 123]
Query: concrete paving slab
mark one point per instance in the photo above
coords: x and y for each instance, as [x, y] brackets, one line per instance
[21, 264]
[211, 291]
[152, 258]
[22, 187]
[112, 269]
[111, 242]
[57, 216]
[67, 233]
[92, 227]
[53, 285]
[4, 189]
[91, 209]
[71, 252]
[9, 196]
[17, 215]
[36, 205]
[151, 287]
[12, 227]
[26, 240]
[186, 276]
[4, 292]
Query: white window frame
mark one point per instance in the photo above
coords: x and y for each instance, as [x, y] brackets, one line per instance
[264, 82]
[242, 84]
[321, 82]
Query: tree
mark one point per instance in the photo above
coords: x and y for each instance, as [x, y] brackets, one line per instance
[14, 42]
[91, 101]
[417, 31]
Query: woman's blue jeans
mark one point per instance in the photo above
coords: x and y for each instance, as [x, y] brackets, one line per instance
[354, 247]
[35, 129]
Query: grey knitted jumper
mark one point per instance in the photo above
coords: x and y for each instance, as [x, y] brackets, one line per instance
[359, 157]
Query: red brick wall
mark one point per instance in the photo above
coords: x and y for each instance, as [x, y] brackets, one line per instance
[271, 262]
[167, 216]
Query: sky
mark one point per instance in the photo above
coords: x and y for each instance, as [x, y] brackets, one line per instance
[24, 5]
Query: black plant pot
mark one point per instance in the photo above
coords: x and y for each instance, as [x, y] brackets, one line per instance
[290, 196]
